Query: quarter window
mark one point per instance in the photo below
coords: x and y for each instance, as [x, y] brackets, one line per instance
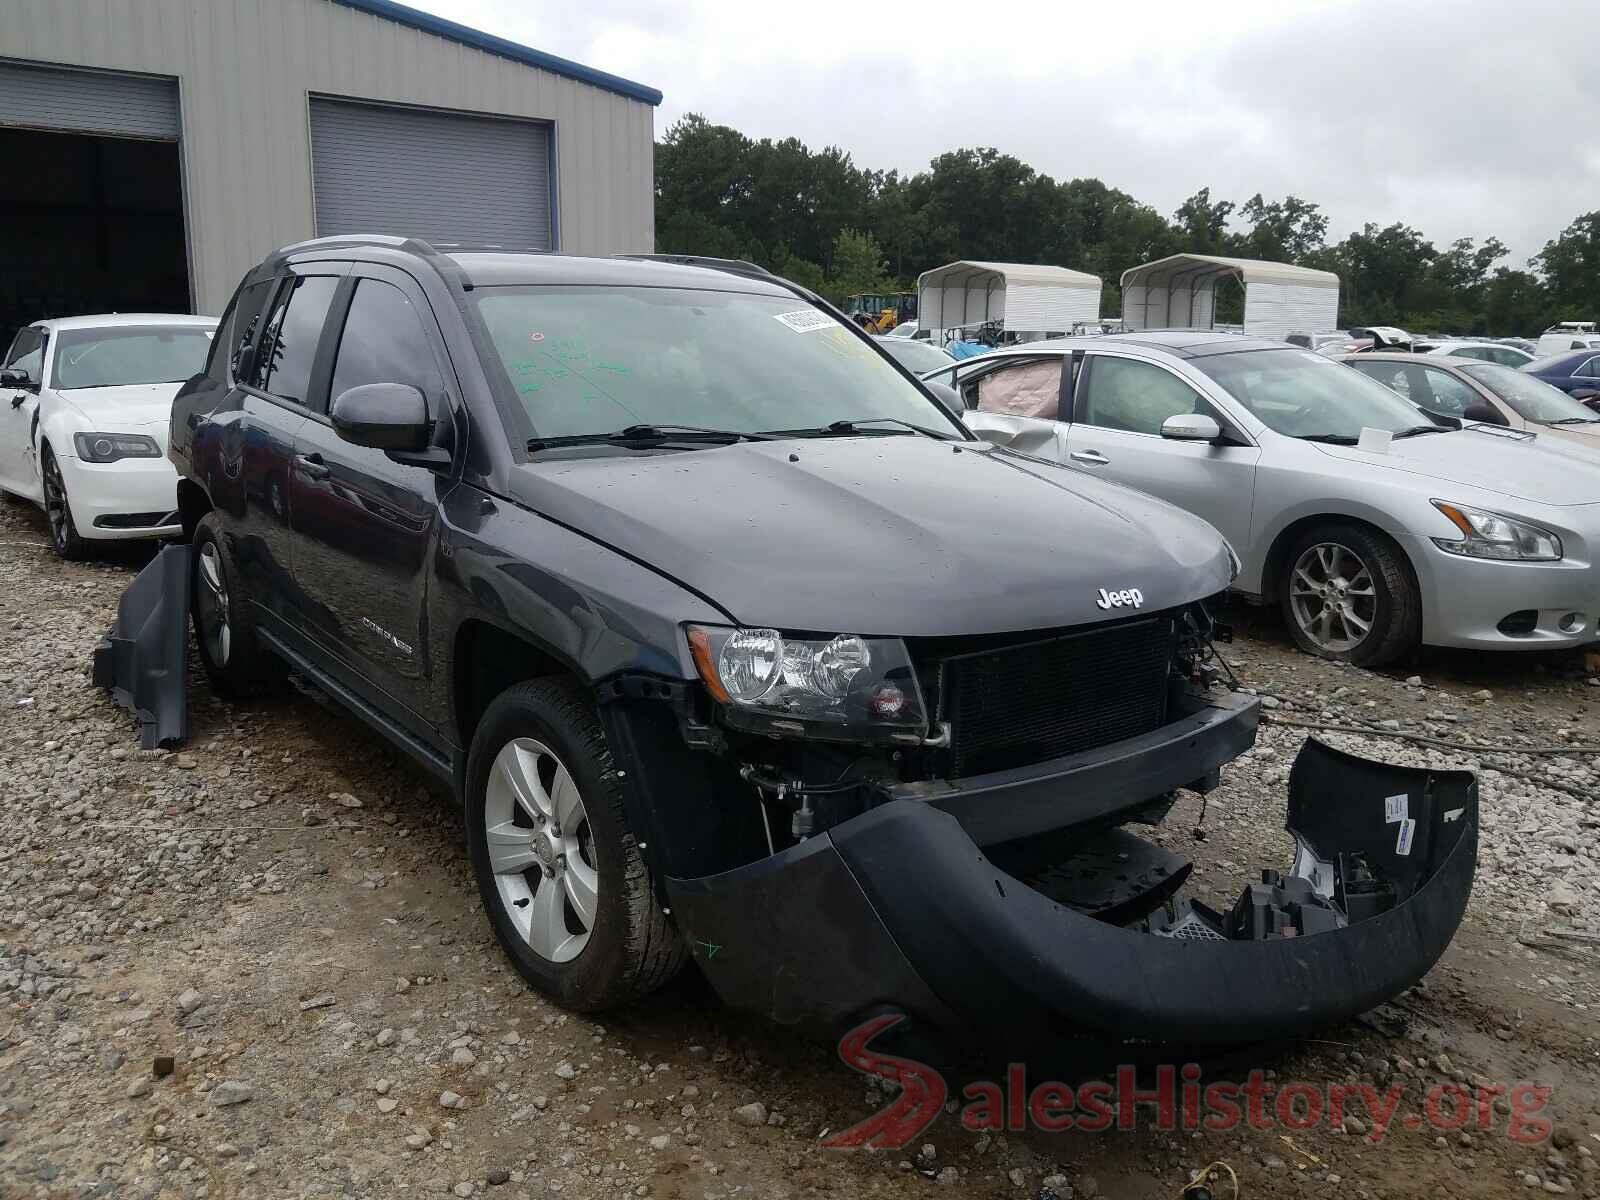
[1589, 370]
[384, 341]
[1124, 393]
[237, 333]
[294, 329]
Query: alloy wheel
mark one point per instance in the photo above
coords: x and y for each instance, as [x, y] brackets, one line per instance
[55, 502]
[212, 606]
[541, 849]
[1333, 597]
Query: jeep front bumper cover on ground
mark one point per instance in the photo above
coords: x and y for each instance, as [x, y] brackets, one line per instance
[143, 657]
[900, 909]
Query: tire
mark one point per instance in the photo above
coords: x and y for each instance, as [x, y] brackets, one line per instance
[234, 658]
[64, 536]
[1340, 575]
[547, 730]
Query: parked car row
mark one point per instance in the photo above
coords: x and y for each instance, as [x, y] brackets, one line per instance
[1373, 525]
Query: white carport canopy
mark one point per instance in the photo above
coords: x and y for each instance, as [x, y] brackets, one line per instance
[1179, 292]
[1023, 298]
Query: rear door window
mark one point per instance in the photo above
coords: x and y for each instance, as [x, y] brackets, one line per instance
[294, 328]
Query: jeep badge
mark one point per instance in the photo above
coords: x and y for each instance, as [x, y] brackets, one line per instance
[1126, 598]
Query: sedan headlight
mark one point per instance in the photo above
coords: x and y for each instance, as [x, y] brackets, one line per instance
[109, 447]
[1491, 535]
[839, 687]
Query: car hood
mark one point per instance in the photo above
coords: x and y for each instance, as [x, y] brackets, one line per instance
[131, 408]
[892, 535]
[1541, 469]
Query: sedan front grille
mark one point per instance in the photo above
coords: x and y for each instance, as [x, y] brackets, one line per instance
[1015, 705]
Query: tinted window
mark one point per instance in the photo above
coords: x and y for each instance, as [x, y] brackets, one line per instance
[1426, 387]
[245, 320]
[1303, 340]
[384, 342]
[27, 353]
[295, 335]
[1472, 352]
[269, 332]
[1589, 370]
[1530, 397]
[91, 358]
[1124, 393]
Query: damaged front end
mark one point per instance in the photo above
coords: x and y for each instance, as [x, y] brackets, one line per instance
[1012, 907]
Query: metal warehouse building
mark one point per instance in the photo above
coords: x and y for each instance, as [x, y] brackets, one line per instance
[155, 149]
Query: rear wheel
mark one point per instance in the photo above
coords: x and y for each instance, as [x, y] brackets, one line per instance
[235, 660]
[63, 530]
[560, 872]
[1348, 595]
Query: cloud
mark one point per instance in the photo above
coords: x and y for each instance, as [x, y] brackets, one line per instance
[1462, 119]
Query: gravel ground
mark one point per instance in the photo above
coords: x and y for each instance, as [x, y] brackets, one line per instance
[257, 967]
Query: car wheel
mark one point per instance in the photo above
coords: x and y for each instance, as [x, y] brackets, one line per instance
[234, 658]
[1348, 595]
[63, 530]
[560, 872]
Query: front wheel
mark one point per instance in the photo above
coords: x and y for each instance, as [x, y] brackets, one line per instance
[560, 873]
[1348, 595]
[64, 536]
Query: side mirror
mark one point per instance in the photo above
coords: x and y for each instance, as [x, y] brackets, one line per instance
[382, 416]
[1484, 413]
[1191, 427]
[946, 395]
[14, 378]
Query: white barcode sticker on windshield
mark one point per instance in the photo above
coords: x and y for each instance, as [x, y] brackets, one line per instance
[806, 320]
[1396, 808]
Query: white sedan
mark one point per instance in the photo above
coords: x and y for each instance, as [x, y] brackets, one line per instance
[84, 405]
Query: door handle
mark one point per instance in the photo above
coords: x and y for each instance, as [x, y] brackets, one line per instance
[312, 466]
[1090, 456]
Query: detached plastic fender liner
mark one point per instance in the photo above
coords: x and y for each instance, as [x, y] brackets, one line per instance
[1004, 956]
[143, 658]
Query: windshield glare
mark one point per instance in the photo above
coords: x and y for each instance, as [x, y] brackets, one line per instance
[1301, 394]
[91, 358]
[593, 360]
[1532, 399]
[917, 357]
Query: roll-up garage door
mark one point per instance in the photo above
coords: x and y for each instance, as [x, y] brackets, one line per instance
[446, 177]
[88, 101]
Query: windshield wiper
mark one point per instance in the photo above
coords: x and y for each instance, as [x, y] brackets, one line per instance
[1414, 430]
[1573, 421]
[852, 428]
[1333, 439]
[649, 435]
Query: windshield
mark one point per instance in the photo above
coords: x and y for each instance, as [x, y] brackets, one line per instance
[1301, 394]
[129, 354]
[593, 360]
[917, 357]
[1532, 399]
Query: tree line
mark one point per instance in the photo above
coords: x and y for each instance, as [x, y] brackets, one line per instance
[819, 219]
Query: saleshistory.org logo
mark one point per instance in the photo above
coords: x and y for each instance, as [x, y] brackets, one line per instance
[1126, 598]
[1179, 1099]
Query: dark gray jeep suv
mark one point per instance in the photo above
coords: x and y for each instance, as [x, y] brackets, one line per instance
[736, 645]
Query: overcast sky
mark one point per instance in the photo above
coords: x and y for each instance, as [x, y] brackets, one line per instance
[1463, 119]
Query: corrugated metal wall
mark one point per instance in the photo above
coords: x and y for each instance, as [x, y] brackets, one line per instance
[88, 102]
[245, 69]
[1275, 310]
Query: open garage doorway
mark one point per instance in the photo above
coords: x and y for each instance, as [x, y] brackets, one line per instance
[89, 224]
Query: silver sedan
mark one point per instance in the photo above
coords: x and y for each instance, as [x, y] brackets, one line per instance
[1373, 528]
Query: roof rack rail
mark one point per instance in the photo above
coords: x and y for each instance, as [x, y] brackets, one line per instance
[733, 266]
[339, 240]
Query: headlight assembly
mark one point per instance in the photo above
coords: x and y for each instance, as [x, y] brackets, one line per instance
[843, 687]
[109, 447]
[1491, 535]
